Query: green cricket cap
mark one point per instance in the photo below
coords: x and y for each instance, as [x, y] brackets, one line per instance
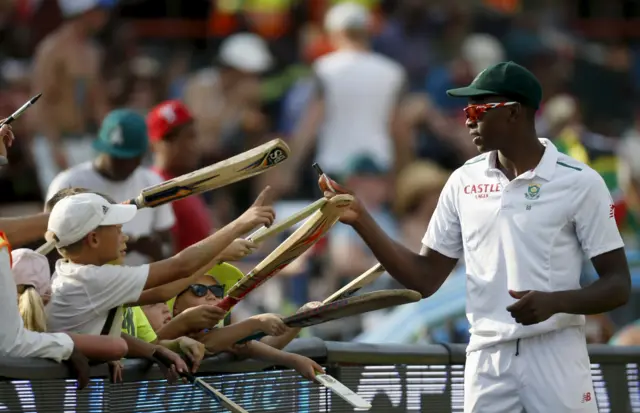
[123, 134]
[507, 79]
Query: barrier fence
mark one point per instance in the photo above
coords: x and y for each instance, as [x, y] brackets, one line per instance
[395, 378]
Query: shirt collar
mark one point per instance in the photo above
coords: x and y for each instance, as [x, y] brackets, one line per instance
[545, 168]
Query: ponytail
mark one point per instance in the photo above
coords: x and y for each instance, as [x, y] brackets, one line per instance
[31, 309]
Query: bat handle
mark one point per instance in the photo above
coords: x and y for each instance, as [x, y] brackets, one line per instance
[226, 303]
[256, 336]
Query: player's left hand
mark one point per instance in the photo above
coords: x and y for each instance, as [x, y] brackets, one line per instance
[305, 366]
[532, 307]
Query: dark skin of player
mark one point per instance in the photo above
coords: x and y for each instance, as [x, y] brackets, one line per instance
[510, 130]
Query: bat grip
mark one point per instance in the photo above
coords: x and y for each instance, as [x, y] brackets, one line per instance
[226, 303]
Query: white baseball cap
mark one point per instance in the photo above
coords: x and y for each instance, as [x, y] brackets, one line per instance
[346, 16]
[247, 52]
[31, 268]
[75, 216]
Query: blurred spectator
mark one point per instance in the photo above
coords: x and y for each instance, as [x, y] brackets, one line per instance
[416, 196]
[225, 99]
[174, 143]
[407, 37]
[627, 336]
[353, 111]
[33, 280]
[67, 73]
[116, 171]
[628, 203]
[478, 51]
[18, 183]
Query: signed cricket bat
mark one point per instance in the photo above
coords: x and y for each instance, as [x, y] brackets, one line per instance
[363, 280]
[234, 169]
[316, 226]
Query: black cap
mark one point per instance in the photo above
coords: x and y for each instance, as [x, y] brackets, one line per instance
[505, 79]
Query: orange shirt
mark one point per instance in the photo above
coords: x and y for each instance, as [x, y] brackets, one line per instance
[4, 243]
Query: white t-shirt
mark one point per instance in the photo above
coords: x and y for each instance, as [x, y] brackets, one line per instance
[15, 340]
[360, 92]
[147, 220]
[528, 234]
[82, 296]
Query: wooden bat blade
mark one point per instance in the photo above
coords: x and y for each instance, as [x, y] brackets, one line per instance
[221, 398]
[343, 391]
[264, 232]
[363, 280]
[234, 169]
[295, 245]
[346, 307]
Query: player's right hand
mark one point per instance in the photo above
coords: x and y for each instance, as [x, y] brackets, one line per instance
[259, 214]
[271, 324]
[331, 188]
[202, 317]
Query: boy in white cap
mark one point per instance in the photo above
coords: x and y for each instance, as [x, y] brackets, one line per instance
[88, 293]
[15, 339]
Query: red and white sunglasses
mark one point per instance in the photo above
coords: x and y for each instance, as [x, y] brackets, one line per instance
[475, 112]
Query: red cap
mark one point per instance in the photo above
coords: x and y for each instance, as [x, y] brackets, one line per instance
[166, 116]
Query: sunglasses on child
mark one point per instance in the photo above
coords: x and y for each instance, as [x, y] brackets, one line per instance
[475, 112]
[200, 290]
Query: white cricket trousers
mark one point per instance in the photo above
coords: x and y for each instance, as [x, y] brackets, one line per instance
[548, 373]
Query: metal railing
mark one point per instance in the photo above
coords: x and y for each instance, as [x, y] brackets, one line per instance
[395, 378]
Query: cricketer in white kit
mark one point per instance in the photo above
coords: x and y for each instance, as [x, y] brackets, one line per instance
[523, 217]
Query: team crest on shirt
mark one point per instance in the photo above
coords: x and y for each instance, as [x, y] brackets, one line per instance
[533, 192]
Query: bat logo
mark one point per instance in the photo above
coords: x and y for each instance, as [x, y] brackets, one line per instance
[274, 157]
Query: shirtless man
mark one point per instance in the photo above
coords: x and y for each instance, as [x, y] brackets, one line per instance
[67, 73]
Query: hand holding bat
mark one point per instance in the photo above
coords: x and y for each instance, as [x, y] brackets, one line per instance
[331, 188]
[260, 213]
[270, 324]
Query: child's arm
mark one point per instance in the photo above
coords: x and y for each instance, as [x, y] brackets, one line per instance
[191, 320]
[220, 339]
[191, 259]
[260, 351]
[281, 342]
[166, 292]
[142, 349]
[239, 248]
[23, 230]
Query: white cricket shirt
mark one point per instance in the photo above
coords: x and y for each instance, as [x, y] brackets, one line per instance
[528, 234]
[82, 295]
[15, 340]
[360, 91]
[147, 220]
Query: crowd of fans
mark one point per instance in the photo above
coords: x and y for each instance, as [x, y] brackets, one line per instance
[357, 87]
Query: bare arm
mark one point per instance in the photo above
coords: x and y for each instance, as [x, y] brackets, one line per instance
[189, 260]
[307, 130]
[97, 94]
[166, 292]
[45, 73]
[23, 230]
[424, 272]
[280, 342]
[193, 258]
[220, 339]
[609, 292]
